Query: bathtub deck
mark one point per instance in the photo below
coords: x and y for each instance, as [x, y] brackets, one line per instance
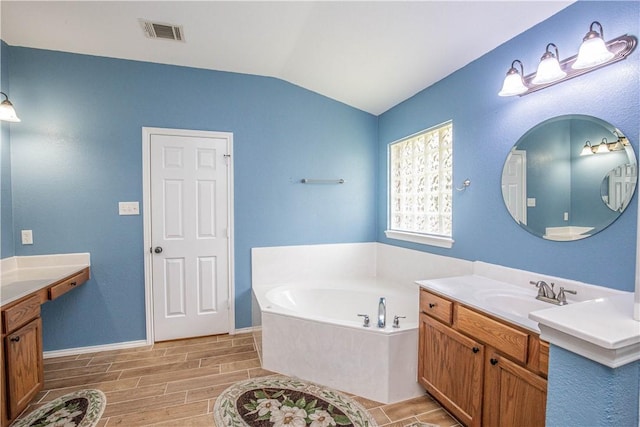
[176, 383]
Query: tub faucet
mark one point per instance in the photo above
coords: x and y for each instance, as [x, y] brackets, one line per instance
[382, 312]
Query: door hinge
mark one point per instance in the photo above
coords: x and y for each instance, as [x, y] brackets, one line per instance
[227, 158]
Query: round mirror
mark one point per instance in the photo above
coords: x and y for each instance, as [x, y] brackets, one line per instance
[569, 177]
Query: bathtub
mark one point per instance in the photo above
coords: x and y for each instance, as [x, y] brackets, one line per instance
[311, 330]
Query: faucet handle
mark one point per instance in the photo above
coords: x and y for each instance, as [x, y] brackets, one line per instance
[365, 320]
[562, 298]
[396, 320]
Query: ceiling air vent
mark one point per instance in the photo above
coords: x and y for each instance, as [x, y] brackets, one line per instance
[156, 30]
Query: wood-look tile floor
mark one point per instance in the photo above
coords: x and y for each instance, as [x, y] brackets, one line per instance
[176, 383]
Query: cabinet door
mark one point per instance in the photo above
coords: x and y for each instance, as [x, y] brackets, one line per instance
[450, 368]
[24, 375]
[4, 416]
[513, 396]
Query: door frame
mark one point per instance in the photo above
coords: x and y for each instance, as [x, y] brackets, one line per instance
[146, 211]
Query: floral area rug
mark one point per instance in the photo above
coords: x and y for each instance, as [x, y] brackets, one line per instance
[78, 409]
[423, 425]
[280, 401]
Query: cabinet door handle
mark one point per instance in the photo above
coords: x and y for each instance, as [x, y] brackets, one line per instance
[72, 284]
[494, 362]
[432, 304]
[15, 339]
[475, 349]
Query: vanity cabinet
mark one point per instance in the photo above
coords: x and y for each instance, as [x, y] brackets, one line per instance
[21, 356]
[24, 374]
[451, 369]
[485, 371]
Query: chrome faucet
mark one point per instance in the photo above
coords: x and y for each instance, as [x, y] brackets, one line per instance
[544, 290]
[382, 312]
[547, 294]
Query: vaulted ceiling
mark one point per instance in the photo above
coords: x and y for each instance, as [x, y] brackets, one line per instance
[368, 54]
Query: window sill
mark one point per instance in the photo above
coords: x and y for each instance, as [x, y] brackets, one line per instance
[441, 242]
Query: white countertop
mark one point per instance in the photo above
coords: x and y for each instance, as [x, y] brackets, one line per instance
[600, 328]
[22, 276]
[475, 291]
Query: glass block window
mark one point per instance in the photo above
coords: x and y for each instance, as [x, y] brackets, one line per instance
[420, 182]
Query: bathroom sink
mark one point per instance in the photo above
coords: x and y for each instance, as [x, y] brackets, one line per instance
[519, 303]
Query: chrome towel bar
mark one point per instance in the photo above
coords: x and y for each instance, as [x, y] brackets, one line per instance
[322, 181]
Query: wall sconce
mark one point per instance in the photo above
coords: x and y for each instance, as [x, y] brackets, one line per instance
[593, 54]
[7, 112]
[604, 147]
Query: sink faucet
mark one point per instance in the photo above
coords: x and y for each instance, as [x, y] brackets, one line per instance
[544, 290]
[382, 312]
[547, 294]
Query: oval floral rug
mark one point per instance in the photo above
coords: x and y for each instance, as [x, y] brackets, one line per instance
[78, 409]
[280, 401]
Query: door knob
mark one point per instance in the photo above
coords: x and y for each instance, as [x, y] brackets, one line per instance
[158, 249]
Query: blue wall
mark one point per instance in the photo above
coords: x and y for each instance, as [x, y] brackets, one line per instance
[582, 392]
[486, 126]
[7, 244]
[78, 151]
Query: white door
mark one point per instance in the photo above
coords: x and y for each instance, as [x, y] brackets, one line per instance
[189, 234]
[622, 181]
[514, 185]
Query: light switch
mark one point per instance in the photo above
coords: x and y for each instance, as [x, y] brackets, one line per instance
[27, 237]
[129, 208]
[531, 202]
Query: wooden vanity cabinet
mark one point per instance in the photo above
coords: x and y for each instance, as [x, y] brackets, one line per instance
[25, 367]
[513, 395]
[21, 356]
[22, 345]
[485, 371]
[451, 369]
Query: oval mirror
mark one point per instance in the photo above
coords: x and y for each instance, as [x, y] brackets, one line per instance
[569, 177]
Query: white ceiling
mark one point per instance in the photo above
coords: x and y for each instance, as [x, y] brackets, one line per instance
[368, 54]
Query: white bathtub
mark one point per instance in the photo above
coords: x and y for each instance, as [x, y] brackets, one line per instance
[311, 330]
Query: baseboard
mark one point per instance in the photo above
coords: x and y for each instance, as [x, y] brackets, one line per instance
[244, 330]
[120, 345]
[94, 348]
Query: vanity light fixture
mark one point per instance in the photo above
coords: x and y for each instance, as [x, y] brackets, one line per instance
[587, 150]
[604, 147]
[593, 50]
[513, 84]
[549, 70]
[7, 112]
[594, 53]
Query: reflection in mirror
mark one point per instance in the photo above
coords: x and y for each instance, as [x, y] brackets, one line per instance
[617, 187]
[559, 185]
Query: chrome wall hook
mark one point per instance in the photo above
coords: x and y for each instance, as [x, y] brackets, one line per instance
[465, 184]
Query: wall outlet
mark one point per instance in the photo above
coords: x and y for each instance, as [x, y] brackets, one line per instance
[27, 237]
[566, 216]
[129, 208]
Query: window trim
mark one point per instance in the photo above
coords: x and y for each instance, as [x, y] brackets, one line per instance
[425, 239]
[411, 236]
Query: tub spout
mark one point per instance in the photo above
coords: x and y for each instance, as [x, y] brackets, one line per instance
[382, 312]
